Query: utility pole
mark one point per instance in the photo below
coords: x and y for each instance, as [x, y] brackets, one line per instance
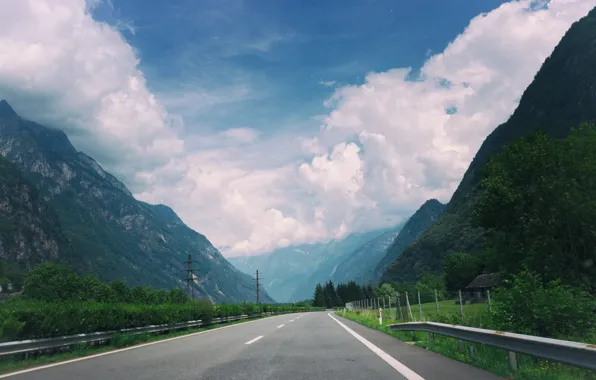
[190, 278]
[258, 286]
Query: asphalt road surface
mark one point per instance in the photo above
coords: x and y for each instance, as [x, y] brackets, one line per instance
[313, 346]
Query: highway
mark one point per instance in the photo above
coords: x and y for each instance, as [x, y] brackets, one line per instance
[313, 346]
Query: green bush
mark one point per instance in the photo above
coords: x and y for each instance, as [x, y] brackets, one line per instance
[526, 305]
[40, 319]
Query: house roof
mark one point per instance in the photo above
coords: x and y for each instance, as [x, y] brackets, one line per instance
[486, 280]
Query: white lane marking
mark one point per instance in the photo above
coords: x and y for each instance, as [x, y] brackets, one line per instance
[292, 320]
[399, 367]
[254, 340]
[280, 326]
[125, 349]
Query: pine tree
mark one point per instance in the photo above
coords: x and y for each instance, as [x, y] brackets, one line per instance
[319, 296]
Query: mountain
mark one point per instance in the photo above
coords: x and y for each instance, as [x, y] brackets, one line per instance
[284, 269]
[288, 273]
[337, 259]
[98, 226]
[562, 95]
[422, 219]
[359, 265]
[29, 230]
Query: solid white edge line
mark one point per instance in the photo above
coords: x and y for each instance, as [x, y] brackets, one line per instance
[280, 326]
[399, 367]
[4, 376]
[254, 340]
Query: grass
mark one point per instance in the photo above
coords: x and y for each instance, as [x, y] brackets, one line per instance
[489, 358]
[450, 308]
[18, 362]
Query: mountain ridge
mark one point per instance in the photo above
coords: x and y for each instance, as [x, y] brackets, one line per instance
[113, 235]
[561, 96]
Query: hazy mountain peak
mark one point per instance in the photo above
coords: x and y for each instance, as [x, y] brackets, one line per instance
[6, 109]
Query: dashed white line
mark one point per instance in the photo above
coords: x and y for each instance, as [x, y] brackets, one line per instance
[399, 367]
[280, 326]
[292, 320]
[254, 340]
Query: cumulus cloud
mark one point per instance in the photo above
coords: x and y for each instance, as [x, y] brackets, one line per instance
[384, 148]
[60, 67]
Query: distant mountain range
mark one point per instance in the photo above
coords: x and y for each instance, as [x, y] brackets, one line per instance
[58, 204]
[290, 274]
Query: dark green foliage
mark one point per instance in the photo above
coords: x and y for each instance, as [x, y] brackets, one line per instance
[319, 296]
[453, 232]
[329, 295]
[42, 319]
[542, 214]
[527, 305]
[460, 269]
[54, 282]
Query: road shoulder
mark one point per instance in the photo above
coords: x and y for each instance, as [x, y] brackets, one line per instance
[428, 364]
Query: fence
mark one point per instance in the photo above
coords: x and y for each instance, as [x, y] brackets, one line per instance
[53, 344]
[574, 353]
[427, 305]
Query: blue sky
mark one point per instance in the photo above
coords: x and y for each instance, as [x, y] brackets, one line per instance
[270, 123]
[275, 54]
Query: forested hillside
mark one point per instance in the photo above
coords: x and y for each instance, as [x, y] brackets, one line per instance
[561, 97]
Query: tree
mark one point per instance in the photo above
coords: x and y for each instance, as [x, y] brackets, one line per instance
[460, 269]
[385, 291]
[53, 282]
[537, 204]
[319, 296]
[427, 286]
[527, 305]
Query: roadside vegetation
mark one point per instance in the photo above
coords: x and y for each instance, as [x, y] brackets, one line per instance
[536, 205]
[56, 301]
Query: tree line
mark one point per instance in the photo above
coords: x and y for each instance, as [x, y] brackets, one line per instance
[330, 295]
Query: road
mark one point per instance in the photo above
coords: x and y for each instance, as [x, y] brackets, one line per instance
[313, 346]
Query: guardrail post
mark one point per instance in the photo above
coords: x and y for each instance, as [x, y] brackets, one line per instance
[513, 361]
[431, 338]
[471, 350]
[462, 346]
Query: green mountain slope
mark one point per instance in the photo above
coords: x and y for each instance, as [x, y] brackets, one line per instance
[113, 235]
[562, 95]
[419, 222]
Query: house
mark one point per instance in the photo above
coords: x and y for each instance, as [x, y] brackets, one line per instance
[478, 287]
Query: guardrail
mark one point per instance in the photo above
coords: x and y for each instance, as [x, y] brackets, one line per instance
[574, 353]
[50, 344]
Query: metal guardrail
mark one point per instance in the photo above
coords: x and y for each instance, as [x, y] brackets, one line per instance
[47, 344]
[574, 353]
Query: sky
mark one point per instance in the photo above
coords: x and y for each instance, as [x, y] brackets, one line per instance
[269, 123]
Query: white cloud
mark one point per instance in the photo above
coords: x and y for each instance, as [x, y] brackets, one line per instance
[385, 147]
[60, 67]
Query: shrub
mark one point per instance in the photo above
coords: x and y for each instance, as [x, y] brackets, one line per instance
[526, 305]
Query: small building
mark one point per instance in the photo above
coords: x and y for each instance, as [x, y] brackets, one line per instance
[478, 287]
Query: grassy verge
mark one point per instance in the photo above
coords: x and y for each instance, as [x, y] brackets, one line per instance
[16, 363]
[489, 358]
